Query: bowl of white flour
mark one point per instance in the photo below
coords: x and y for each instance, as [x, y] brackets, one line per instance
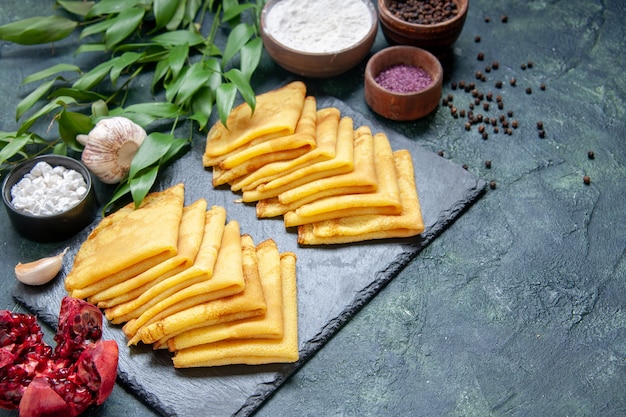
[49, 198]
[318, 38]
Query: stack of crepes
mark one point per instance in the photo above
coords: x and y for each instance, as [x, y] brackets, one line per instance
[184, 278]
[335, 182]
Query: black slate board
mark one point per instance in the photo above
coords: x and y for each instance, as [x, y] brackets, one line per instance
[333, 283]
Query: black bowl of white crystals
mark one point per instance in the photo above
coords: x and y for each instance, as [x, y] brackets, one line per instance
[49, 198]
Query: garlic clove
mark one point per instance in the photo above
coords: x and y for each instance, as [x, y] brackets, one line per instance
[41, 271]
[110, 147]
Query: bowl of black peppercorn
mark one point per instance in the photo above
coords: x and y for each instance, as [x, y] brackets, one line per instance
[430, 24]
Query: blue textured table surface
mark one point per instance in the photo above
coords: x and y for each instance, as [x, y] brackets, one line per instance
[516, 309]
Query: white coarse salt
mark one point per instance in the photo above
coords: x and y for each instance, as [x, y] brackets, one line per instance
[45, 191]
[319, 26]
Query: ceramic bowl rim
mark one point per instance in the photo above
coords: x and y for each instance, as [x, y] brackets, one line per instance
[69, 162]
[372, 31]
[383, 9]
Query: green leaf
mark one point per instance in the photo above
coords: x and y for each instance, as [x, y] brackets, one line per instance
[175, 148]
[121, 190]
[177, 58]
[14, 145]
[122, 62]
[225, 98]
[235, 11]
[161, 70]
[153, 148]
[90, 79]
[90, 47]
[140, 185]
[37, 30]
[179, 37]
[195, 77]
[79, 95]
[111, 7]
[30, 100]
[236, 77]
[72, 124]
[164, 110]
[123, 25]
[202, 106]
[53, 105]
[250, 55]
[178, 16]
[164, 11]
[94, 28]
[48, 72]
[193, 6]
[80, 8]
[237, 38]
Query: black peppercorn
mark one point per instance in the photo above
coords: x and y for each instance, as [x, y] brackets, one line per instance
[461, 84]
[440, 153]
[498, 84]
[488, 164]
[477, 39]
[487, 19]
[523, 66]
[450, 97]
[453, 85]
[529, 64]
[513, 81]
[540, 125]
[489, 96]
[480, 56]
[495, 65]
[486, 105]
[485, 135]
[481, 128]
[500, 105]
[495, 129]
[462, 113]
[488, 68]
[542, 86]
[465, 166]
[586, 180]
[529, 90]
[510, 113]
[542, 134]
[591, 155]
[468, 125]
[492, 185]
[504, 18]
[515, 124]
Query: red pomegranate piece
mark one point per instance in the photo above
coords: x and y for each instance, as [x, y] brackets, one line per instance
[64, 381]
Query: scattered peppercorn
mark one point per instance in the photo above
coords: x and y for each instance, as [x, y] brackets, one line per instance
[468, 125]
[492, 185]
[586, 180]
[504, 18]
[465, 166]
[529, 64]
[485, 135]
[542, 86]
[486, 105]
[453, 85]
[461, 84]
[487, 19]
[509, 113]
[500, 105]
[496, 130]
[529, 90]
[477, 39]
[488, 68]
[440, 153]
[540, 125]
[523, 66]
[514, 124]
[489, 96]
[591, 155]
[498, 84]
[542, 134]
[462, 112]
[488, 164]
[495, 65]
[513, 81]
[480, 56]
[481, 128]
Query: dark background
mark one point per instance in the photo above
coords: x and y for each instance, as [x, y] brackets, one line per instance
[518, 307]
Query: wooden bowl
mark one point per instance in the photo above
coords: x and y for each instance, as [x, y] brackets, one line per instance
[433, 37]
[318, 64]
[403, 106]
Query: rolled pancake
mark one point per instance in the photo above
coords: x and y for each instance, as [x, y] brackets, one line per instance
[385, 200]
[153, 293]
[248, 303]
[205, 281]
[269, 325]
[362, 179]
[276, 113]
[254, 351]
[131, 241]
[189, 239]
[341, 163]
[327, 123]
[359, 228]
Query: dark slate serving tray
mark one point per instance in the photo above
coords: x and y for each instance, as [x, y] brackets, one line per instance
[334, 282]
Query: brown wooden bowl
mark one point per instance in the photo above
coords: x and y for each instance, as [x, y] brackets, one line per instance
[403, 106]
[314, 64]
[433, 37]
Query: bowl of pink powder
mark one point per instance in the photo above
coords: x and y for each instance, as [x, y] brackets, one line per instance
[403, 82]
[318, 38]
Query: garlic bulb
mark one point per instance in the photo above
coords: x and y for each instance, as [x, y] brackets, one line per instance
[41, 271]
[110, 148]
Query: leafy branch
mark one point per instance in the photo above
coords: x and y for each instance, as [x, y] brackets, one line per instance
[166, 38]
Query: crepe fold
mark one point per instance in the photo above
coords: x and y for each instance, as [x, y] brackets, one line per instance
[254, 350]
[407, 223]
[149, 235]
[275, 114]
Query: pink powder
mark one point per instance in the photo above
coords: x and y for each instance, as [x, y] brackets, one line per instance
[404, 79]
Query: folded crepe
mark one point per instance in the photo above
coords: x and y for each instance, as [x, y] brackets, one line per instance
[359, 228]
[385, 200]
[206, 280]
[269, 325]
[254, 351]
[200, 311]
[276, 113]
[327, 123]
[251, 157]
[189, 239]
[341, 163]
[129, 241]
[158, 294]
[362, 179]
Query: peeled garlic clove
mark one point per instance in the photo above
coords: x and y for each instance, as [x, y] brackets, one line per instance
[110, 148]
[41, 271]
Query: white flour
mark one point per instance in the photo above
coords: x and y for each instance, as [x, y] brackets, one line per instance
[319, 25]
